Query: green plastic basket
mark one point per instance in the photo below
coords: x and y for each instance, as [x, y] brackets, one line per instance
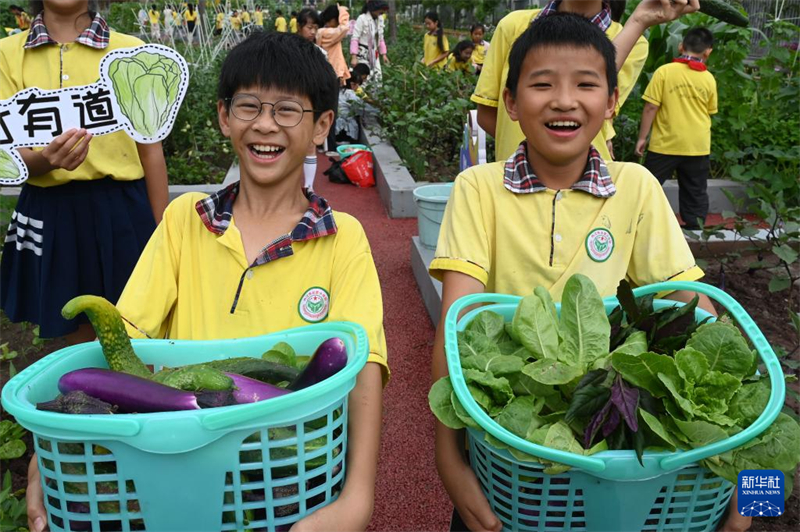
[609, 490]
[245, 467]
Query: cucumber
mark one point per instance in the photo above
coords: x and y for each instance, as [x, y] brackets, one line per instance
[255, 368]
[194, 378]
[726, 11]
[110, 330]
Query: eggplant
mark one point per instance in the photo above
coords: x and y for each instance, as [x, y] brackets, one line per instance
[329, 359]
[247, 390]
[77, 402]
[128, 392]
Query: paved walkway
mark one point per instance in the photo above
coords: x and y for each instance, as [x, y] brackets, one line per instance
[409, 495]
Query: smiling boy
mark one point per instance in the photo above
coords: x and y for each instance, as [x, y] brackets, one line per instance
[553, 209]
[264, 255]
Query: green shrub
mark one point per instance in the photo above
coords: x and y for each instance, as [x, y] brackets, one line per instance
[196, 151]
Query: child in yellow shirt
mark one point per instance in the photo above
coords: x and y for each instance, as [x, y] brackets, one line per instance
[280, 22]
[679, 102]
[476, 32]
[555, 208]
[435, 45]
[461, 57]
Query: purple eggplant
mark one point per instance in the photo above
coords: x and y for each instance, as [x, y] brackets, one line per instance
[329, 359]
[128, 392]
[247, 390]
[76, 402]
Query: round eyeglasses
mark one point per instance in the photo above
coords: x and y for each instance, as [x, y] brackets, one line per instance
[286, 113]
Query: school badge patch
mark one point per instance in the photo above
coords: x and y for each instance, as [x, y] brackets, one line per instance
[599, 244]
[314, 305]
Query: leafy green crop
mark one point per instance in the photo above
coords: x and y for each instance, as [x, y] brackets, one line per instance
[147, 87]
[8, 167]
[640, 378]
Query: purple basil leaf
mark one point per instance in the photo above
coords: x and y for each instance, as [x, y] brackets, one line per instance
[611, 423]
[627, 402]
[595, 424]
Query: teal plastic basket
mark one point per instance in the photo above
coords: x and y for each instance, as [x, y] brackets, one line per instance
[259, 466]
[346, 150]
[609, 490]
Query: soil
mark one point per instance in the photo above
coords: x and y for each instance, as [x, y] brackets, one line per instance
[748, 287]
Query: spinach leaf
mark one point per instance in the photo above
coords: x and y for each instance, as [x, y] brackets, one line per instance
[439, 399]
[584, 324]
[536, 326]
[643, 370]
[552, 372]
[489, 324]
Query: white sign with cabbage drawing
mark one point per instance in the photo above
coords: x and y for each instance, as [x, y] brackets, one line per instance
[140, 91]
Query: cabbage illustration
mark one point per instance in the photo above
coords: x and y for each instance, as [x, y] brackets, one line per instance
[8, 166]
[146, 86]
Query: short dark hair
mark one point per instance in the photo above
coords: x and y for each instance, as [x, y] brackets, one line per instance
[308, 15]
[284, 61]
[561, 30]
[698, 40]
[477, 26]
[279, 12]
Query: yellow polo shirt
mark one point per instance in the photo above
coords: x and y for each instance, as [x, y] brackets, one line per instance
[49, 66]
[219, 20]
[430, 45]
[280, 24]
[686, 99]
[492, 81]
[236, 23]
[513, 243]
[190, 17]
[293, 25]
[258, 17]
[479, 53]
[187, 278]
[155, 17]
[245, 17]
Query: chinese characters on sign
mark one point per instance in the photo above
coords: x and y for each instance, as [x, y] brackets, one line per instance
[34, 117]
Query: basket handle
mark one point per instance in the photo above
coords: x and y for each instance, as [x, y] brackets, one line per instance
[597, 464]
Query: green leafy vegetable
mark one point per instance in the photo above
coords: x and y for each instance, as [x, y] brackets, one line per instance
[8, 166]
[281, 353]
[536, 325]
[724, 347]
[146, 86]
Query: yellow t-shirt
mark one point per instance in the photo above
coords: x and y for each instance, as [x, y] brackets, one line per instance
[453, 65]
[293, 24]
[513, 243]
[492, 81]
[187, 278]
[258, 17]
[220, 20]
[190, 17]
[479, 53]
[236, 23]
[686, 99]
[70, 65]
[155, 17]
[280, 24]
[245, 17]
[431, 49]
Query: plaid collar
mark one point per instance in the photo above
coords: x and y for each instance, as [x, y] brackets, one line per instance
[216, 212]
[95, 36]
[602, 19]
[519, 177]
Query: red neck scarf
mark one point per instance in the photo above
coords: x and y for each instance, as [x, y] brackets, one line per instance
[695, 63]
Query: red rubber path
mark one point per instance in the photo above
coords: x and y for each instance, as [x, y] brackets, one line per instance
[409, 495]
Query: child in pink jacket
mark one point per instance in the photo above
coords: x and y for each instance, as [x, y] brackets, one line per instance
[334, 28]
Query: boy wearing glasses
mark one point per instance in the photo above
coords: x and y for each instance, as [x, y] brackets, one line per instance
[263, 254]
